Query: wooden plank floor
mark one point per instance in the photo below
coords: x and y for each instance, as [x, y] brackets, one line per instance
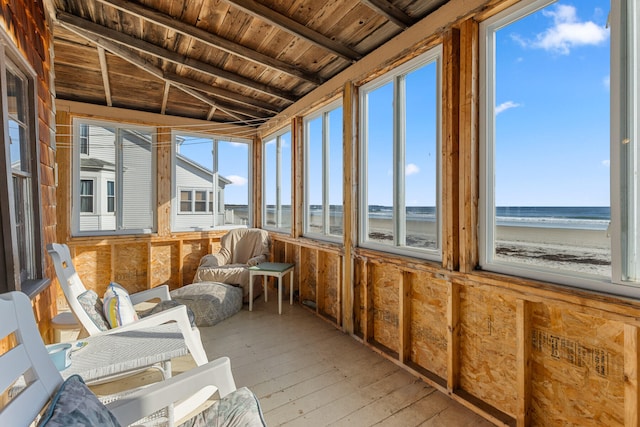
[307, 373]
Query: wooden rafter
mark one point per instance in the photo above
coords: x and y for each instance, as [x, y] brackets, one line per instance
[165, 97]
[159, 18]
[182, 84]
[391, 12]
[105, 75]
[69, 20]
[287, 24]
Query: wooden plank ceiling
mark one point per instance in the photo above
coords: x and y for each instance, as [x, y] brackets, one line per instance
[238, 61]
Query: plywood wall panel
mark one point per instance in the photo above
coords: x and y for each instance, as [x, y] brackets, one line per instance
[384, 282]
[428, 323]
[192, 251]
[130, 264]
[577, 369]
[164, 263]
[308, 274]
[488, 347]
[329, 278]
[93, 264]
[359, 286]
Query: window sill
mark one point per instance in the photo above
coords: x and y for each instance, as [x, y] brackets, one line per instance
[33, 287]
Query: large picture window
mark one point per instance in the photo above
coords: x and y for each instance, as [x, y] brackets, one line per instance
[114, 184]
[211, 182]
[558, 136]
[400, 167]
[277, 182]
[323, 173]
[21, 247]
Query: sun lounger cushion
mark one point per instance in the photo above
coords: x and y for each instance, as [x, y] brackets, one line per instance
[211, 302]
[75, 405]
[165, 305]
[237, 409]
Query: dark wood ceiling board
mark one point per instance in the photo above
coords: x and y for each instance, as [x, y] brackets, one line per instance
[355, 26]
[120, 68]
[137, 94]
[91, 86]
[80, 56]
[420, 9]
[378, 37]
[212, 16]
[63, 35]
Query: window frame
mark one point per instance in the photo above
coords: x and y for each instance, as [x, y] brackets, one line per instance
[176, 190]
[433, 55]
[279, 163]
[624, 112]
[10, 274]
[322, 113]
[119, 128]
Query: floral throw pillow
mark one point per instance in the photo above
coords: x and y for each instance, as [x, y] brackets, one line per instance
[92, 305]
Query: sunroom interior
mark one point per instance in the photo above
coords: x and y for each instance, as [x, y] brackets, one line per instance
[455, 181]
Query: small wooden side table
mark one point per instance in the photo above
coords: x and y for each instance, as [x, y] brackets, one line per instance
[273, 269]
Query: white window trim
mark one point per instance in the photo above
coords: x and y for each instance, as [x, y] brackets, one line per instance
[175, 190]
[434, 55]
[275, 136]
[487, 105]
[75, 208]
[326, 176]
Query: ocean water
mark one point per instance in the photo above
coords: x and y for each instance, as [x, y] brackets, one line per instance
[573, 217]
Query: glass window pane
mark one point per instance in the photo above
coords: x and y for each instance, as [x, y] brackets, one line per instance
[335, 172]
[285, 182]
[551, 142]
[270, 190]
[314, 193]
[379, 164]
[136, 209]
[421, 156]
[185, 201]
[194, 168]
[201, 201]
[233, 176]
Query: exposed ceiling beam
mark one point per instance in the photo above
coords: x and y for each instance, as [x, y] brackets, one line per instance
[165, 97]
[145, 47]
[213, 40]
[213, 104]
[391, 12]
[183, 83]
[105, 76]
[287, 24]
[212, 111]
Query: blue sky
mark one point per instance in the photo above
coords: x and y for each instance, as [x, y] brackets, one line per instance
[552, 105]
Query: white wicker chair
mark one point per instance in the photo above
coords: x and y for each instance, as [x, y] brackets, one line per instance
[29, 359]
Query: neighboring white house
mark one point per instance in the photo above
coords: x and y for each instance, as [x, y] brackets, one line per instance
[101, 196]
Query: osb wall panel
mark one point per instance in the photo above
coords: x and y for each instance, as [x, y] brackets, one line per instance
[164, 265]
[278, 250]
[308, 274]
[192, 252]
[358, 297]
[130, 263]
[429, 323]
[329, 279]
[576, 358]
[488, 347]
[384, 282]
[93, 264]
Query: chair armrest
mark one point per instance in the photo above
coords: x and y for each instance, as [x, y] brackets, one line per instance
[256, 260]
[161, 292]
[216, 260]
[176, 314]
[213, 375]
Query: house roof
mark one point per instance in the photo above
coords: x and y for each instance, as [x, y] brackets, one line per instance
[220, 60]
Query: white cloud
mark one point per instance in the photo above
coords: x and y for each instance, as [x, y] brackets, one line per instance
[506, 106]
[411, 169]
[606, 163]
[568, 32]
[606, 81]
[236, 179]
